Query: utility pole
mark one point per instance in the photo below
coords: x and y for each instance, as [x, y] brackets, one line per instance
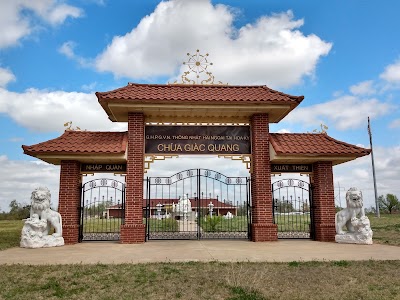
[378, 215]
[340, 198]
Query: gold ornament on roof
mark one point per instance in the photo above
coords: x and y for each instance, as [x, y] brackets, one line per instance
[198, 72]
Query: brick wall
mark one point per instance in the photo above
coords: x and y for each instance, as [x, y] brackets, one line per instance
[262, 226]
[69, 199]
[323, 202]
[133, 231]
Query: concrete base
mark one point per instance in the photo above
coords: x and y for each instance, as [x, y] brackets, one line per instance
[353, 238]
[205, 250]
[264, 232]
[133, 234]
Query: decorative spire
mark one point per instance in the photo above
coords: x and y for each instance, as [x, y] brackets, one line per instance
[198, 72]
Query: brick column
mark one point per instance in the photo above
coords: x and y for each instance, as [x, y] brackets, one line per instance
[262, 227]
[323, 202]
[69, 199]
[133, 231]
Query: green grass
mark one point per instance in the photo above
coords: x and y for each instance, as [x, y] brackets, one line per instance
[10, 233]
[386, 229]
[292, 223]
[102, 225]
[219, 224]
[162, 225]
[195, 280]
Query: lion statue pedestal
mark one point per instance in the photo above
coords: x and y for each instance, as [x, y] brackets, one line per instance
[35, 233]
[358, 229]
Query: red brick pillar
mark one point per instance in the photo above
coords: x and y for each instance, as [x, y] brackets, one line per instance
[323, 202]
[69, 199]
[262, 227]
[133, 231]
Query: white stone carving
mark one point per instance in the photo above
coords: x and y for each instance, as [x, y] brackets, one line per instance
[183, 208]
[35, 233]
[184, 205]
[358, 229]
[228, 216]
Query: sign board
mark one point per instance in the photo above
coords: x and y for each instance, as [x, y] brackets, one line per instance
[197, 140]
[291, 168]
[103, 168]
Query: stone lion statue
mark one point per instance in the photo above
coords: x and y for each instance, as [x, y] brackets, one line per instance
[354, 201]
[40, 206]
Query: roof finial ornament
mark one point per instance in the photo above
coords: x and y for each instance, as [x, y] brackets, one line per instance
[198, 72]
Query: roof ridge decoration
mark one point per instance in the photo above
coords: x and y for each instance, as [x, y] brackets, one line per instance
[198, 64]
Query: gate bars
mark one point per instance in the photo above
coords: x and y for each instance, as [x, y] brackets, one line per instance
[197, 204]
[194, 204]
[292, 208]
[102, 210]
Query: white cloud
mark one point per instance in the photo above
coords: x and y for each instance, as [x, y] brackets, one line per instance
[270, 51]
[97, 2]
[363, 88]
[358, 173]
[392, 73]
[19, 178]
[16, 24]
[68, 48]
[89, 87]
[6, 76]
[59, 13]
[345, 112]
[395, 123]
[283, 130]
[15, 139]
[47, 111]
[170, 166]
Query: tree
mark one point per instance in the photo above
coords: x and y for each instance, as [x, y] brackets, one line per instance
[284, 206]
[14, 206]
[18, 211]
[390, 203]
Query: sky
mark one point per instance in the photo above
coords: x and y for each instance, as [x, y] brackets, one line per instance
[343, 56]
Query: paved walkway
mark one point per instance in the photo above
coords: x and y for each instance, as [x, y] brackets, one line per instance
[205, 250]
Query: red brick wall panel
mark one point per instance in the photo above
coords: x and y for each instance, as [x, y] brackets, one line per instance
[69, 200]
[323, 202]
[133, 230]
[263, 228]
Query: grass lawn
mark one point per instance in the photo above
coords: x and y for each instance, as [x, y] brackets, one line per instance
[214, 280]
[386, 229]
[292, 222]
[102, 225]
[193, 280]
[10, 233]
[219, 224]
[163, 225]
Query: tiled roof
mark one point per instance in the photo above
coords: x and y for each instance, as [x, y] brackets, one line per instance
[81, 142]
[198, 93]
[313, 144]
[88, 142]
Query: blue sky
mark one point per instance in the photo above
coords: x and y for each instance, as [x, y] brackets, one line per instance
[343, 56]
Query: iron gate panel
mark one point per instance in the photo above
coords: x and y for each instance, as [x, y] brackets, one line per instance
[197, 204]
[292, 208]
[102, 210]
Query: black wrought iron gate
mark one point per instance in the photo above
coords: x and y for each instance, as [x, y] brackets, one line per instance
[102, 210]
[292, 207]
[197, 204]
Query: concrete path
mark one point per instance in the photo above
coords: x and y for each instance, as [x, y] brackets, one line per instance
[205, 250]
[186, 225]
